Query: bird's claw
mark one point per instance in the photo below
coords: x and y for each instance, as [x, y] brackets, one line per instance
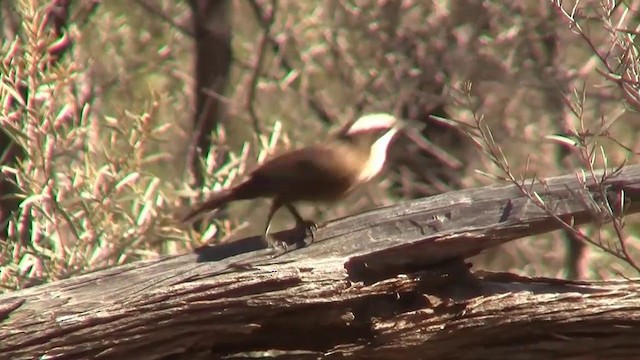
[279, 247]
[310, 229]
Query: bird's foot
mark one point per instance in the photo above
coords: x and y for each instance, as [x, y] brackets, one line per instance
[279, 247]
[310, 229]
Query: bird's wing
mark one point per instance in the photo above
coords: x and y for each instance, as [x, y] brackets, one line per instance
[312, 168]
[306, 162]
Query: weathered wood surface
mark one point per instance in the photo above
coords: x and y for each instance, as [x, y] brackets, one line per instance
[346, 295]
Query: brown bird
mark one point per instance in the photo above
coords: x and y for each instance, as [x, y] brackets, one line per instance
[320, 173]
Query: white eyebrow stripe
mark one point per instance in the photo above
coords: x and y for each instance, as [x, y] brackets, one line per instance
[373, 122]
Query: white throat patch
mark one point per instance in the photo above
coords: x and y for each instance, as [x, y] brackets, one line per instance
[377, 156]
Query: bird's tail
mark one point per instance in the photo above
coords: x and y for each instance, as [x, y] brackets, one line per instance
[214, 201]
[243, 191]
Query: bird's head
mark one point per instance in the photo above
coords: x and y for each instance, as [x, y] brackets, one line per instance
[370, 128]
[371, 134]
[371, 125]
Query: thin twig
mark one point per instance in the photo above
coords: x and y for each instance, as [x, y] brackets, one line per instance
[485, 140]
[625, 83]
[313, 103]
[267, 18]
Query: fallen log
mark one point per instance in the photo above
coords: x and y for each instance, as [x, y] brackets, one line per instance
[391, 283]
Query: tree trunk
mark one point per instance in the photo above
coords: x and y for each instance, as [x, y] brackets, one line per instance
[212, 29]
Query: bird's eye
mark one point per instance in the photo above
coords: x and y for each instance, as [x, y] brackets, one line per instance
[345, 136]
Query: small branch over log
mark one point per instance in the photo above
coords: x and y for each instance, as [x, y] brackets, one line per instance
[386, 284]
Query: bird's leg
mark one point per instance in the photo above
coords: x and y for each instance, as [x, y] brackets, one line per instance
[310, 227]
[276, 244]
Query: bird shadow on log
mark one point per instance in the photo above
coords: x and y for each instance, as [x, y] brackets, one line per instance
[295, 238]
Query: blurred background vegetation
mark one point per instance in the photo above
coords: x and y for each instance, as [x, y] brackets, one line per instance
[117, 115]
